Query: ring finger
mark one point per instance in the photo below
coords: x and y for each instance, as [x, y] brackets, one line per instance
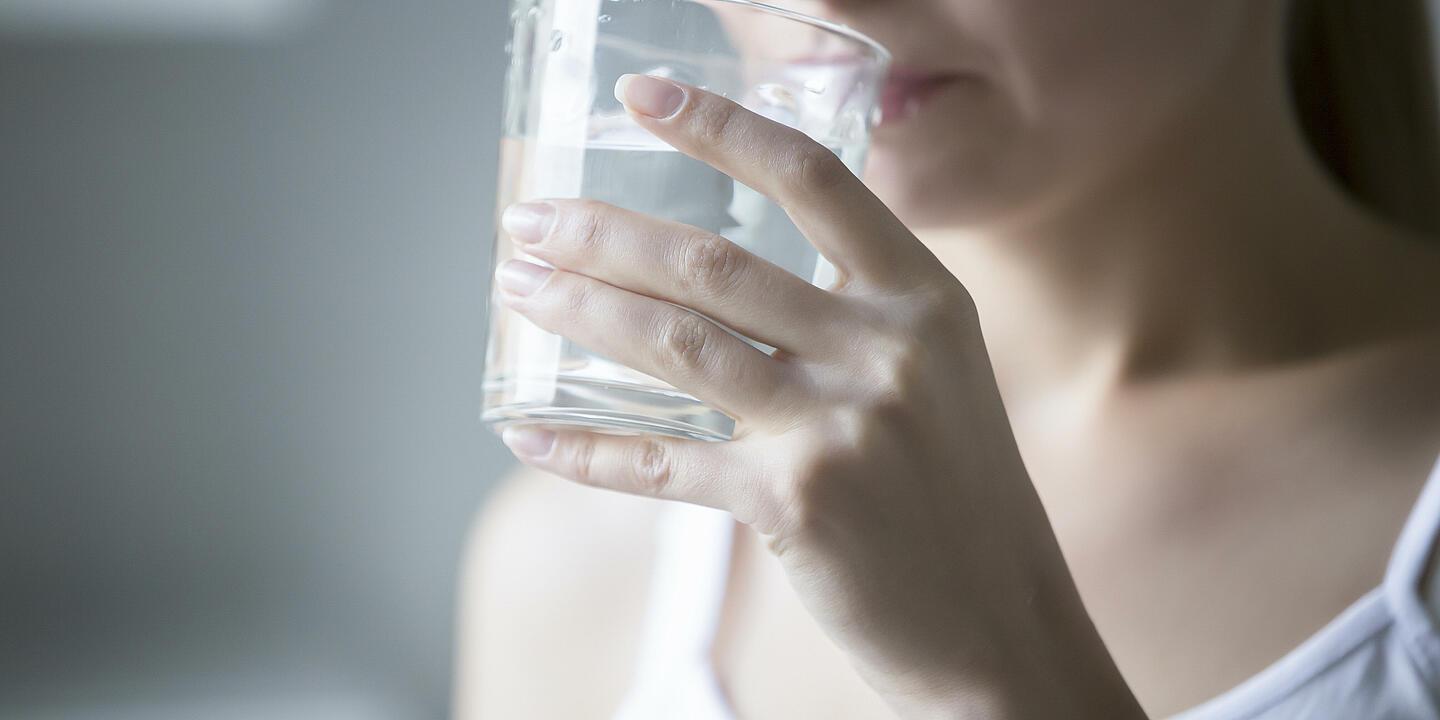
[654, 337]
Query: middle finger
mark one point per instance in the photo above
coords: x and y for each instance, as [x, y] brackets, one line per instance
[656, 338]
[681, 264]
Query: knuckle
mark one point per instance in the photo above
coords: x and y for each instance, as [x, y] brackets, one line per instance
[901, 373]
[589, 226]
[685, 342]
[711, 122]
[582, 460]
[791, 515]
[803, 494]
[652, 467]
[946, 305]
[895, 409]
[852, 429]
[818, 171]
[789, 519]
[900, 393]
[932, 306]
[576, 298]
[887, 418]
[712, 264]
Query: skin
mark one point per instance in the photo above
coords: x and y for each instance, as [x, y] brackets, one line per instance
[1198, 358]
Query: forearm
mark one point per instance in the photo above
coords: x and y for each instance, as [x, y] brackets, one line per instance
[1072, 678]
[1036, 655]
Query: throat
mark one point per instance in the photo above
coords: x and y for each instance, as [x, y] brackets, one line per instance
[1140, 298]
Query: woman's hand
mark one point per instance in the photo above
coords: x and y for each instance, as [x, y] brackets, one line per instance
[871, 450]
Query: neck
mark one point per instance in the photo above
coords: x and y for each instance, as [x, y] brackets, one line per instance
[1222, 245]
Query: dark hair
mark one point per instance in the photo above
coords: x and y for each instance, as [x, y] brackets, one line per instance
[1362, 73]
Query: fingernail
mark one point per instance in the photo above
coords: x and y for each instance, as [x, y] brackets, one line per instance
[649, 95]
[528, 441]
[528, 222]
[518, 277]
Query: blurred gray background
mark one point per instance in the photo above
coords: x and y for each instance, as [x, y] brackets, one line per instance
[243, 265]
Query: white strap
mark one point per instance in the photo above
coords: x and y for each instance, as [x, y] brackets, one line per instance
[1409, 580]
[1431, 580]
[674, 676]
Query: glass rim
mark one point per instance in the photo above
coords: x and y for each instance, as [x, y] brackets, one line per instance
[821, 23]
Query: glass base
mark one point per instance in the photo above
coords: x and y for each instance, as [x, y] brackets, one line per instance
[616, 408]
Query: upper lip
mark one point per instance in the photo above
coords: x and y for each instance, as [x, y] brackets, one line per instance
[907, 85]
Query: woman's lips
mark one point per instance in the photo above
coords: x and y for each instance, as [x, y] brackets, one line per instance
[907, 89]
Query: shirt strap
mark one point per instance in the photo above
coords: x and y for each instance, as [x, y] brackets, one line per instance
[1412, 580]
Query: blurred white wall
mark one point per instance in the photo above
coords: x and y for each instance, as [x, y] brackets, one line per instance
[242, 276]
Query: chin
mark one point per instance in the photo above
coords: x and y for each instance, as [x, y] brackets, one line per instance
[907, 199]
[951, 166]
[929, 192]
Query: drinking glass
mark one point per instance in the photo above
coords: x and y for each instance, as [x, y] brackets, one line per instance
[565, 136]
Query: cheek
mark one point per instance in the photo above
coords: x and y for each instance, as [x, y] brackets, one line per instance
[1074, 88]
[1097, 62]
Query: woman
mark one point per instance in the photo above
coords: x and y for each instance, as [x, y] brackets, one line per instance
[1198, 236]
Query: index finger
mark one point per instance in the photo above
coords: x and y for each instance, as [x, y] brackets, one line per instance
[839, 215]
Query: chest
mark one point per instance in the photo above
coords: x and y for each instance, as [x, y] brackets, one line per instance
[1209, 533]
[1195, 582]
[1203, 561]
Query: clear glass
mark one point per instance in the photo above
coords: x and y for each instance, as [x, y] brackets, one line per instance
[566, 136]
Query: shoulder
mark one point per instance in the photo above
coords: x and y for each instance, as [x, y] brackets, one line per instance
[552, 591]
[535, 523]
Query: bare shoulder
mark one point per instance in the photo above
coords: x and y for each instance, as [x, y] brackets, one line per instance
[535, 524]
[552, 593]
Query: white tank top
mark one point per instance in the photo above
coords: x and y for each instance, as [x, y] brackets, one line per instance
[1378, 660]
[676, 676]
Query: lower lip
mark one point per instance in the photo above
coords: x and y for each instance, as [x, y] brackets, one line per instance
[902, 99]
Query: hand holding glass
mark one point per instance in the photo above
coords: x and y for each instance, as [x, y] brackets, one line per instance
[566, 136]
